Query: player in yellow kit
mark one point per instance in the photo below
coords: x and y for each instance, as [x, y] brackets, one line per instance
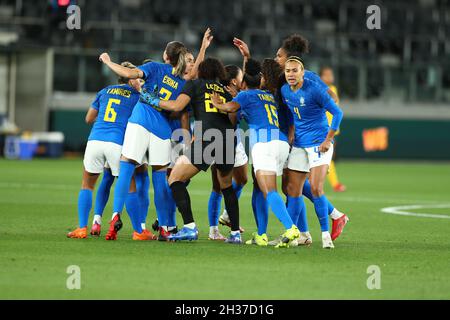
[327, 76]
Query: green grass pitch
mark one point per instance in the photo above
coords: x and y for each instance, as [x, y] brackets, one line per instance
[38, 206]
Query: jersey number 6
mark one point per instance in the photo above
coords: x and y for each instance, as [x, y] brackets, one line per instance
[110, 113]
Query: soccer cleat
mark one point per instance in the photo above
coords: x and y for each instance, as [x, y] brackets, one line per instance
[184, 234]
[338, 226]
[305, 239]
[216, 235]
[163, 234]
[78, 233]
[155, 225]
[234, 239]
[339, 188]
[275, 241]
[259, 240]
[288, 236]
[327, 243]
[96, 229]
[114, 226]
[145, 235]
[224, 220]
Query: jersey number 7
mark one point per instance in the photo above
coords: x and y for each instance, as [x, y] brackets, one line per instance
[110, 113]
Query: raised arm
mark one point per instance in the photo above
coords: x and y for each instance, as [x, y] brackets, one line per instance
[227, 106]
[207, 38]
[120, 70]
[243, 48]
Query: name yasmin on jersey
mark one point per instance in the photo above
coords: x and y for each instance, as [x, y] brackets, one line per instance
[120, 92]
[266, 97]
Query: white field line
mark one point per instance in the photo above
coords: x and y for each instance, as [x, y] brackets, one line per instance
[402, 210]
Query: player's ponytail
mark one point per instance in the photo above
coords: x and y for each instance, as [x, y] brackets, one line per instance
[181, 64]
[176, 53]
[252, 75]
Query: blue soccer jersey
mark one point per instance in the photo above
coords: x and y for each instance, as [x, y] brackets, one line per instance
[284, 115]
[114, 105]
[259, 109]
[308, 106]
[310, 75]
[169, 87]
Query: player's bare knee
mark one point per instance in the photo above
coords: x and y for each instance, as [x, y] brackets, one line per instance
[317, 190]
[292, 190]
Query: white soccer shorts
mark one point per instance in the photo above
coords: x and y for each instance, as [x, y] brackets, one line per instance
[303, 159]
[140, 143]
[240, 157]
[270, 156]
[101, 154]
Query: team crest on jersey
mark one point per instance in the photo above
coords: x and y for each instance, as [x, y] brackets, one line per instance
[302, 102]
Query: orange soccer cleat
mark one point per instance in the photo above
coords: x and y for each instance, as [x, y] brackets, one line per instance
[78, 233]
[339, 188]
[145, 235]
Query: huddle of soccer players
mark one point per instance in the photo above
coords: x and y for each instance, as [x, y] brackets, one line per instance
[136, 123]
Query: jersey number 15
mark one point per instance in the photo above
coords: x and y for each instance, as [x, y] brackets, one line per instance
[272, 114]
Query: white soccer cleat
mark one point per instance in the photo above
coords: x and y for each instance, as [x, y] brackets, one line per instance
[327, 243]
[224, 218]
[305, 239]
[216, 235]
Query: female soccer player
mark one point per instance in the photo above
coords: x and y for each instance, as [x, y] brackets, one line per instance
[110, 112]
[313, 138]
[148, 131]
[269, 147]
[214, 142]
[233, 85]
[296, 45]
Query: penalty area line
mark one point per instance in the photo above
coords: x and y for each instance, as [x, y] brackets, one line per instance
[403, 210]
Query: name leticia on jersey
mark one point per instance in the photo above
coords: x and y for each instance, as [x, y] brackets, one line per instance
[214, 87]
[169, 81]
[120, 92]
[266, 97]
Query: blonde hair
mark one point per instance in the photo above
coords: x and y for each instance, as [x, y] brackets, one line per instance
[176, 52]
